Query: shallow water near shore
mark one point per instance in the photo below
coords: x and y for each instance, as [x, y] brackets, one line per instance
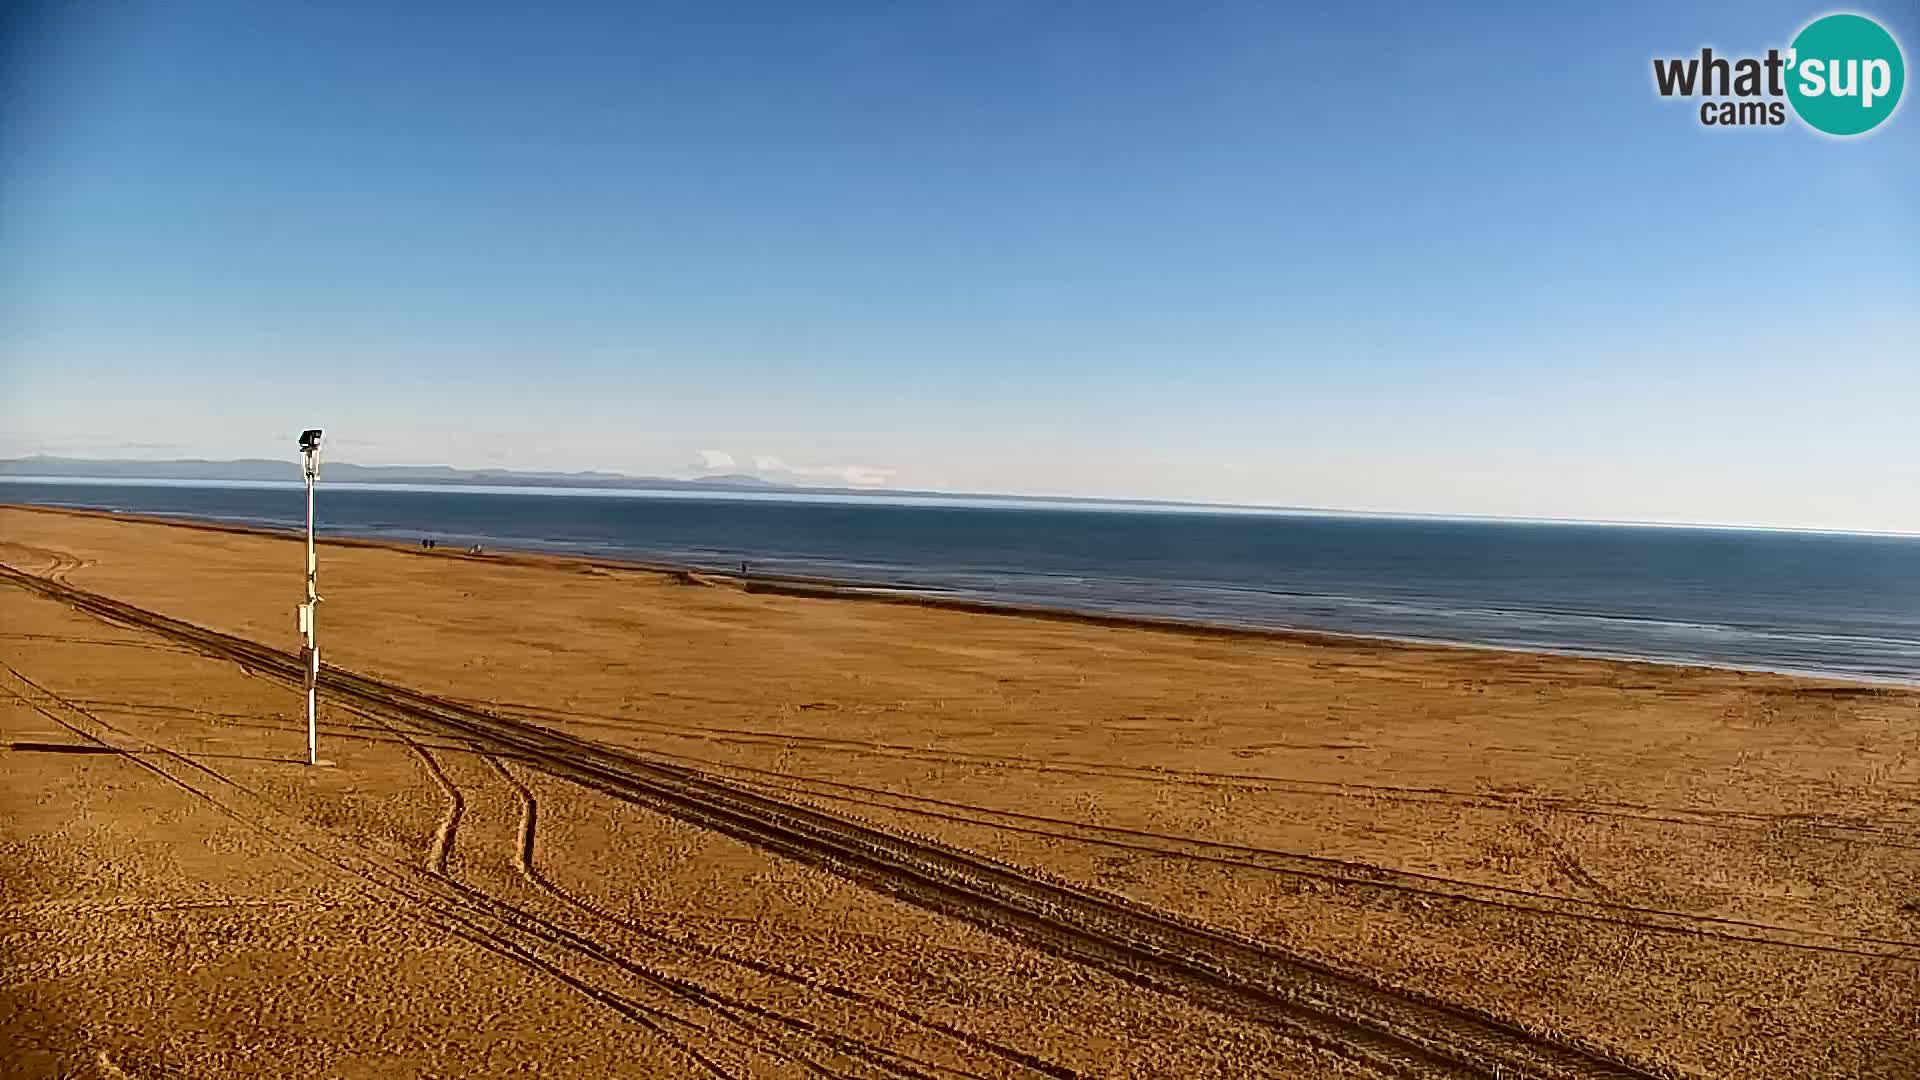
[1843, 605]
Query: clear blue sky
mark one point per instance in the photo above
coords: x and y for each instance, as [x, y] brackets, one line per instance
[1390, 257]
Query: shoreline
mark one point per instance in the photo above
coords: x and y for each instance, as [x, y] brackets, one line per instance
[827, 588]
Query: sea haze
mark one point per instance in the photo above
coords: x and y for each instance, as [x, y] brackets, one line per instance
[1845, 605]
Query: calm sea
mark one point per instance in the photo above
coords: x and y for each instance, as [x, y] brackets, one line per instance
[1836, 604]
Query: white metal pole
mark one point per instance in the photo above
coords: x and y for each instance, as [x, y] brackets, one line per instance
[313, 647]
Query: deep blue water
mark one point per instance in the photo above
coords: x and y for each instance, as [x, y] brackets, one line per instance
[1838, 604]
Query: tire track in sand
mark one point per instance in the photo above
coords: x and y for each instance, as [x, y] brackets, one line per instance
[1867, 830]
[1389, 1028]
[530, 869]
[1608, 909]
[439, 850]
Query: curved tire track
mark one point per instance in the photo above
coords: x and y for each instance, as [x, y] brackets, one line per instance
[680, 989]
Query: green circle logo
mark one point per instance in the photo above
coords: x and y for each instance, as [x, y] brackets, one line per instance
[1845, 74]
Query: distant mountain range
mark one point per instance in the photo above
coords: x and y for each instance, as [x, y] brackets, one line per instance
[345, 473]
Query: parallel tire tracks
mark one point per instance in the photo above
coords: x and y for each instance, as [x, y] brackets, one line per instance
[1393, 1029]
[1341, 872]
[1863, 830]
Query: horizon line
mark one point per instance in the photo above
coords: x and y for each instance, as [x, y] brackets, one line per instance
[777, 487]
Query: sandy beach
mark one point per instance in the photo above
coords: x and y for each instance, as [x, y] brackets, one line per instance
[586, 819]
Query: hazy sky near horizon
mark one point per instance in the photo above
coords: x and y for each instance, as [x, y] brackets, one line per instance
[1378, 257]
